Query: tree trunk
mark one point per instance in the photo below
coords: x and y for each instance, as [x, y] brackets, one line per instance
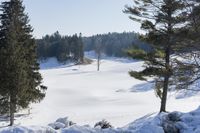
[166, 80]
[98, 63]
[12, 110]
[164, 95]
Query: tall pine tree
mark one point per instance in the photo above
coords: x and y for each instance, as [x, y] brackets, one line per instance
[190, 68]
[164, 21]
[20, 82]
[81, 49]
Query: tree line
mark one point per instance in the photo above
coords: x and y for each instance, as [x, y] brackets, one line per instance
[64, 48]
[72, 47]
[114, 44]
[172, 31]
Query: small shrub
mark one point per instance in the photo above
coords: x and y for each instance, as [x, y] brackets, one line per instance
[103, 124]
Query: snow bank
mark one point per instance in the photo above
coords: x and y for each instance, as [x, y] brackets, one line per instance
[175, 122]
[30, 129]
[87, 129]
[61, 123]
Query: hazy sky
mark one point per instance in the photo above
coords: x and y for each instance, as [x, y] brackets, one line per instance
[74, 16]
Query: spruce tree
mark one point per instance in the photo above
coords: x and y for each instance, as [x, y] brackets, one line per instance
[20, 82]
[164, 21]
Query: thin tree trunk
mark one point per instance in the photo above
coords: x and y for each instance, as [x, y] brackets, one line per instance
[11, 113]
[167, 62]
[98, 63]
[12, 108]
[166, 80]
[164, 95]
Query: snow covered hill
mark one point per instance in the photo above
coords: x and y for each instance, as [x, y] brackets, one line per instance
[87, 96]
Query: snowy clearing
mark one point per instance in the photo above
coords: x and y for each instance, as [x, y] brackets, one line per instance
[87, 96]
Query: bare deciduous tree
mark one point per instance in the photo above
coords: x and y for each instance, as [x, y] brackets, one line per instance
[98, 51]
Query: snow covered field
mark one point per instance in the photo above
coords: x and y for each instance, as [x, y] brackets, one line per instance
[87, 96]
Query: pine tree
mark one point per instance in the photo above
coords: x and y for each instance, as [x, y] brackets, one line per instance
[190, 68]
[20, 82]
[164, 21]
[81, 49]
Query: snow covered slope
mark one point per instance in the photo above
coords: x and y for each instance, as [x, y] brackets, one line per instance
[175, 122]
[87, 96]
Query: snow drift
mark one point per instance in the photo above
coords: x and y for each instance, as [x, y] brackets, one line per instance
[174, 122]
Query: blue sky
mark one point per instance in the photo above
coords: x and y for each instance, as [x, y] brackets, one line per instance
[74, 16]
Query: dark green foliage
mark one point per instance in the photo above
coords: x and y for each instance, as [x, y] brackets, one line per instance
[73, 47]
[189, 69]
[137, 53]
[165, 22]
[20, 82]
[115, 44]
[62, 47]
[137, 75]
[103, 124]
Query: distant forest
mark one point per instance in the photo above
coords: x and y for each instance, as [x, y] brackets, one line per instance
[62, 47]
[114, 44]
[72, 47]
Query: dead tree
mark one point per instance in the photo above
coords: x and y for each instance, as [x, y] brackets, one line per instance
[98, 51]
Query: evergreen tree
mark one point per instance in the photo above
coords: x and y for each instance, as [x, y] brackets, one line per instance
[114, 44]
[74, 47]
[164, 21]
[81, 49]
[190, 68]
[62, 47]
[20, 82]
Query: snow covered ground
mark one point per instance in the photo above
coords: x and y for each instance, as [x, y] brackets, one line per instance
[87, 96]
